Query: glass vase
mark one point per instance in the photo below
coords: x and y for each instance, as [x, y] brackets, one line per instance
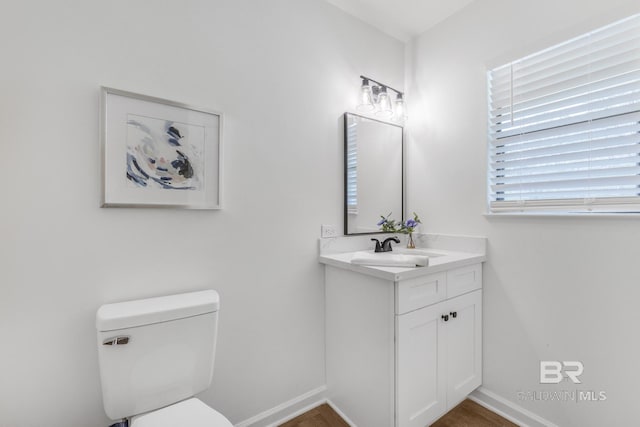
[410, 243]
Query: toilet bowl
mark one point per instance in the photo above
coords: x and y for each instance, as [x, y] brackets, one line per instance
[155, 355]
[191, 413]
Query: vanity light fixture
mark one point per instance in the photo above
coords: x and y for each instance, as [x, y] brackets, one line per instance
[385, 109]
[366, 97]
[376, 99]
[401, 108]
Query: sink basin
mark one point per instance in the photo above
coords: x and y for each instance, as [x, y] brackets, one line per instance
[421, 252]
[390, 259]
[398, 257]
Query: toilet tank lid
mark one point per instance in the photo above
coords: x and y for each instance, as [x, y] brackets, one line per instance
[147, 311]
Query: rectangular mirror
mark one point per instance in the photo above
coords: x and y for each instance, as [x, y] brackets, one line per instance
[373, 173]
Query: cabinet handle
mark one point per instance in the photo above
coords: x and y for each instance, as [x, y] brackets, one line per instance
[445, 317]
[454, 314]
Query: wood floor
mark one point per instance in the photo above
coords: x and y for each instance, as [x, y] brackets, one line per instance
[470, 414]
[466, 414]
[322, 416]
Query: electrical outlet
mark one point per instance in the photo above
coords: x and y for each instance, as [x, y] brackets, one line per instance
[328, 231]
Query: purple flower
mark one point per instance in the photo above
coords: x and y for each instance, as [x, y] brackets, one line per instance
[411, 223]
[382, 221]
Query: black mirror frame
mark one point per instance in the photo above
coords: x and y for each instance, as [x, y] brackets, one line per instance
[403, 193]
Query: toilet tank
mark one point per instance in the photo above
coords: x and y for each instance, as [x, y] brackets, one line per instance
[157, 351]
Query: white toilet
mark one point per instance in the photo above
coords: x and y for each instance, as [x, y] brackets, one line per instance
[155, 355]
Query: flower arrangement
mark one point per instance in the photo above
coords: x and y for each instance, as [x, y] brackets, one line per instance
[389, 225]
[410, 224]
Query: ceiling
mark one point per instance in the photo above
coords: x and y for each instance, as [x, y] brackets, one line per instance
[402, 19]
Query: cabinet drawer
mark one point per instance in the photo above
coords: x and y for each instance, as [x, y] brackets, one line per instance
[415, 293]
[463, 280]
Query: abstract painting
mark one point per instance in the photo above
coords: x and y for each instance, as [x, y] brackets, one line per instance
[164, 154]
[159, 153]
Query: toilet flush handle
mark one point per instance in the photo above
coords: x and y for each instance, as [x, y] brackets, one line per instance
[122, 340]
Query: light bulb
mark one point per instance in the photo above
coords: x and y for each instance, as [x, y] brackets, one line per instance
[366, 97]
[401, 109]
[384, 104]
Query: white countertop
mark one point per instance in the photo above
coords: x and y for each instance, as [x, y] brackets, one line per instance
[448, 258]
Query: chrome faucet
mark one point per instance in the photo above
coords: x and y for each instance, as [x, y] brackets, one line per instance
[386, 244]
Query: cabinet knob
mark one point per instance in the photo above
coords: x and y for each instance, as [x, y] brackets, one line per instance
[445, 317]
[454, 314]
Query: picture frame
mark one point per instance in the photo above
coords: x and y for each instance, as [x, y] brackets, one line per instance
[158, 153]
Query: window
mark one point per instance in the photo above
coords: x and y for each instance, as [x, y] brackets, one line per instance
[352, 168]
[564, 126]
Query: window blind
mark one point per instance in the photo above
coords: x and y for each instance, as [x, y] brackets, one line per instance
[352, 168]
[564, 125]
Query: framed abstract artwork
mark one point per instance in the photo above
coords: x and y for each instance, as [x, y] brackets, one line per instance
[159, 153]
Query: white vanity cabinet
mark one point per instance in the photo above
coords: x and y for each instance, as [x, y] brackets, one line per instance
[401, 353]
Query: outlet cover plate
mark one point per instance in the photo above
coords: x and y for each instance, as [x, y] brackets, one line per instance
[328, 231]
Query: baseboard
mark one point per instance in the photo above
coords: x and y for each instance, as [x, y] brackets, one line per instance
[287, 410]
[299, 405]
[507, 409]
[339, 412]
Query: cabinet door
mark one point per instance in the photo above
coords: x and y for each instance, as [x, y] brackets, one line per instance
[464, 346]
[420, 379]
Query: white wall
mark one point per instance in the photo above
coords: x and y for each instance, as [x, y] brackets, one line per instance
[555, 288]
[283, 72]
